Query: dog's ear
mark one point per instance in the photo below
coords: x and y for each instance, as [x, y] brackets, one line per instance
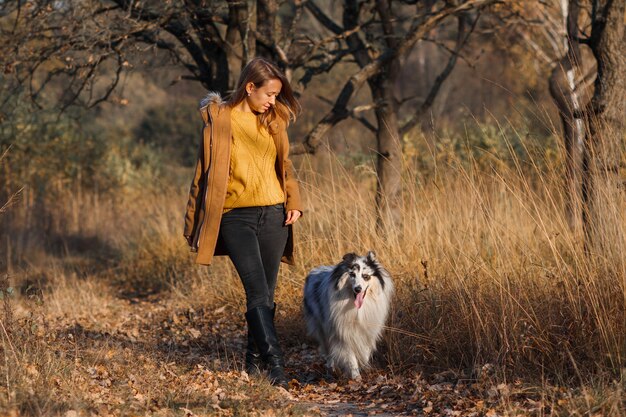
[371, 256]
[349, 258]
[342, 269]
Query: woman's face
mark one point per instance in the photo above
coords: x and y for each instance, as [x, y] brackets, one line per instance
[260, 99]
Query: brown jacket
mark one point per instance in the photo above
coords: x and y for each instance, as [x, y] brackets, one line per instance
[208, 188]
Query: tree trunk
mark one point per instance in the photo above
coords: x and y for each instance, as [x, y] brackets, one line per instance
[389, 154]
[236, 51]
[389, 146]
[266, 28]
[566, 96]
[603, 202]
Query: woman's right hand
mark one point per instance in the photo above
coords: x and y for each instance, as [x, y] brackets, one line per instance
[292, 217]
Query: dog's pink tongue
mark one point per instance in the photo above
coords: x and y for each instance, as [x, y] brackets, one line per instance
[358, 301]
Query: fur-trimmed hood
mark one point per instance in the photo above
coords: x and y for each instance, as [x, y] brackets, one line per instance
[212, 97]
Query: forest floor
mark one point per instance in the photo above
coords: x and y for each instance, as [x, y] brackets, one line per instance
[151, 355]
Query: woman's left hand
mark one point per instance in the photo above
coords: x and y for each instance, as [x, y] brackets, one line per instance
[292, 217]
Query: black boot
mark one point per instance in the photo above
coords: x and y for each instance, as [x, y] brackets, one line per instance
[261, 325]
[253, 357]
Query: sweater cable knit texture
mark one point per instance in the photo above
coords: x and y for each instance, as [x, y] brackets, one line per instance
[253, 180]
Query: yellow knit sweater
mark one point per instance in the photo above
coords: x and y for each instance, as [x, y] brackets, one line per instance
[253, 180]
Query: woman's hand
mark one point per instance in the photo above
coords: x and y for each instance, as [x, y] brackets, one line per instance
[292, 217]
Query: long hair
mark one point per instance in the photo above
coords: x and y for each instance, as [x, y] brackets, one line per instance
[259, 71]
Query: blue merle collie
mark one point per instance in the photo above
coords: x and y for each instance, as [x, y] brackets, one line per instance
[345, 308]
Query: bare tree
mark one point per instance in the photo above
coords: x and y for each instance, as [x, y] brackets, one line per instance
[76, 43]
[569, 87]
[379, 36]
[555, 32]
[604, 147]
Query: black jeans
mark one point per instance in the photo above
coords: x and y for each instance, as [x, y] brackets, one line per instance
[255, 238]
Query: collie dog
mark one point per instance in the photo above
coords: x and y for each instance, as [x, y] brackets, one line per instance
[345, 308]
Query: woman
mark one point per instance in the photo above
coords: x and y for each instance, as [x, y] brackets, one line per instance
[244, 197]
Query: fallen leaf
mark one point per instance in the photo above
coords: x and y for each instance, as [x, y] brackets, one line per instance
[188, 412]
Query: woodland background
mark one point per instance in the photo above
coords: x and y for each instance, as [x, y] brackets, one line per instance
[477, 146]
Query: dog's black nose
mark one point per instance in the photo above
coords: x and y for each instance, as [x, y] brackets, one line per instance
[357, 289]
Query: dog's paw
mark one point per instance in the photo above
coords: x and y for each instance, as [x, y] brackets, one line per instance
[355, 375]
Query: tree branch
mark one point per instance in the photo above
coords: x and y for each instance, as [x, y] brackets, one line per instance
[462, 38]
[339, 111]
[321, 17]
[354, 112]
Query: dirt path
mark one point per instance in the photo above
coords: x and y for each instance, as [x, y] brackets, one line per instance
[213, 340]
[145, 357]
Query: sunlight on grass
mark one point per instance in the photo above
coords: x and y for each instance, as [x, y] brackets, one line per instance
[487, 269]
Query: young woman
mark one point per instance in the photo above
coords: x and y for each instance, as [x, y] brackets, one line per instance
[244, 198]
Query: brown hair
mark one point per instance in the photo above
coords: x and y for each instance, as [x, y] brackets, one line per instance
[259, 71]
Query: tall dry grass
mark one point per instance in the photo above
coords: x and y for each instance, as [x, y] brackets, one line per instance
[486, 268]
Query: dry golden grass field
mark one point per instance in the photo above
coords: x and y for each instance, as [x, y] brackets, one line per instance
[499, 309]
